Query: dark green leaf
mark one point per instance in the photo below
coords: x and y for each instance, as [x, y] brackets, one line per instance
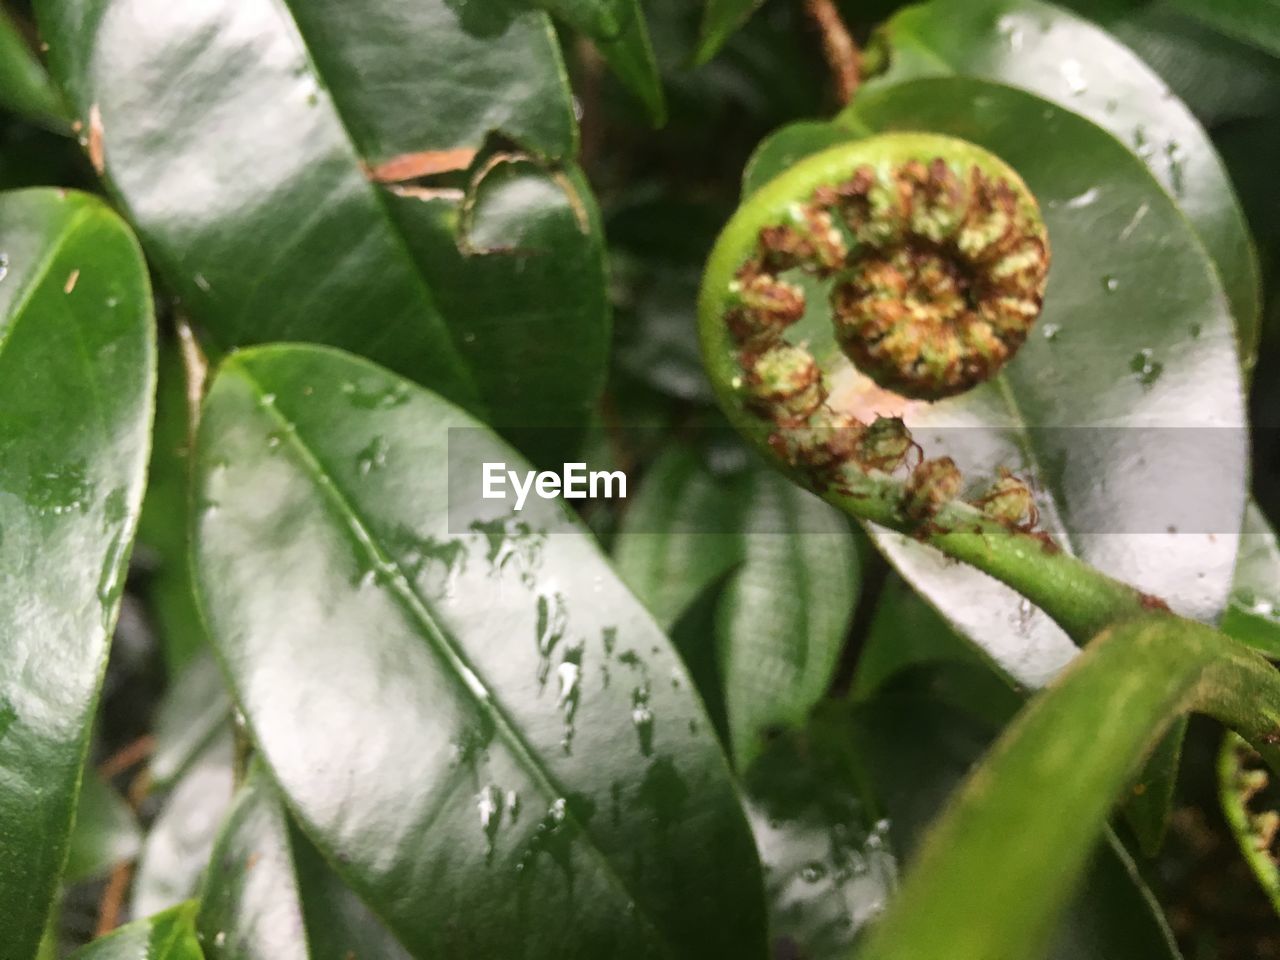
[829, 869]
[163, 531]
[395, 179]
[1073, 64]
[270, 896]
[906, 634]
[1255, 22]
[619, 31]
[25, 88]
[76, 379]
[1253, 615]
[719, 19]
[785, 608]
[512, 719]
[1217, 77]
[166, 936]
[1135, 348]
[105, 833]
[680, 533]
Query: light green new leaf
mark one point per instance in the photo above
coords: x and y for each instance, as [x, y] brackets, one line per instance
[1123, 408]
[392, 178]
[77, 372]
[1066, 746]
[167, 936]
[1250, 811]
[270, 896]
[915, 741]
[1078, 67]
[790, 570]
[512, 759]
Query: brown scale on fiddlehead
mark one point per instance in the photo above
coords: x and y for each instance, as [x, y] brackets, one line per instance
[936, 268]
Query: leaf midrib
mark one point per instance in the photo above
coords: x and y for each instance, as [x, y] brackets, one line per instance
[402, 589]
[476, 399]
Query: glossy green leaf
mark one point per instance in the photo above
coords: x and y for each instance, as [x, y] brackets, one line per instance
[788, 597]
[25, 88]
[619, 31]
[1253, 615]
[1068, 61]
[177, 846]
[1217, 77]
[269, 895]
[1065, 745]
[720, 18]
[829, 866]
[680, 533]
[915, 749]
[167, 936]
[404, 171]
[907, 634]
[76, 379]
[512, 719]
[105, 834]
[1134, 351]
[1250, 808]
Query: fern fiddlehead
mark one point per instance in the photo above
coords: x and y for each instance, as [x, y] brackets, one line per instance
[934, 259]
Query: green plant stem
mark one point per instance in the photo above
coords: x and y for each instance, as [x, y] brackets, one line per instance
[1079, 598]
[993, 873]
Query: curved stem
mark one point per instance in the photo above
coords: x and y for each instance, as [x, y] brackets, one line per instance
[774, 390]
[1025, 819]
[1079, 598]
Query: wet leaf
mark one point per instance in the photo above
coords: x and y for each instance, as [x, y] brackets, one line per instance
[404, 172]
[790, 583]
[166, 936]
[828, 867]
[76, 380]
[1078, 67]
[915, 749]
[270, 896]
[1253, 614]
[512, 715]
